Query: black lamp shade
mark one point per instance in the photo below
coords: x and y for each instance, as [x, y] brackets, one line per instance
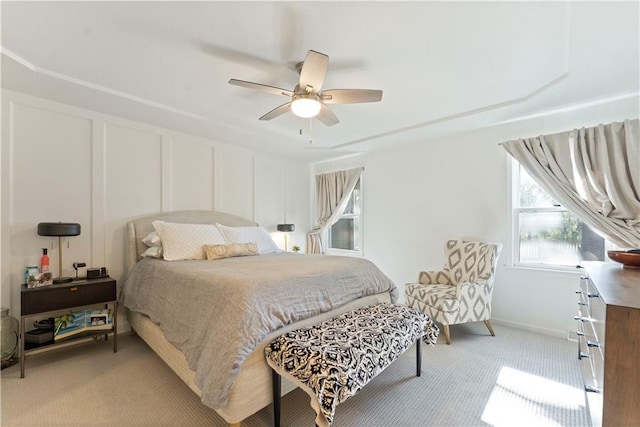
[286, 227]
[58, 229]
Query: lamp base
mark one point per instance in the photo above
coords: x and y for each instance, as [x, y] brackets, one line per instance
[62, 280]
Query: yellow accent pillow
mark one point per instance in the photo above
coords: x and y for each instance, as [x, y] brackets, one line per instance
[214, 252]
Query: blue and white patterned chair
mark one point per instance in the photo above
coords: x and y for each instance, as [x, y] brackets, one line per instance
[461, 291]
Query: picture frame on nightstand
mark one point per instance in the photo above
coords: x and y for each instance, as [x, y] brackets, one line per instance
[76, 322]
[39, 279]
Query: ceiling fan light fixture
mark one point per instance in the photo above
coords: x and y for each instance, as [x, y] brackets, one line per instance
[305, 105]
[307, 99]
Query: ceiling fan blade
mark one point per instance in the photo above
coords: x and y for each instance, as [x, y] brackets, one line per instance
[314, 70]
[326, 116]
[239, 57]
[278, 111]
[263, 88]
[351, 96]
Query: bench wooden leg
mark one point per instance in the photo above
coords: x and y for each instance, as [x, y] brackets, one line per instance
[277, 398]
[418, 356]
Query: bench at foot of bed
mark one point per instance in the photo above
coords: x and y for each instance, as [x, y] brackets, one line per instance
[334, 359]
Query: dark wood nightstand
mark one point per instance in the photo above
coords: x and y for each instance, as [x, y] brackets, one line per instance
[49, 301]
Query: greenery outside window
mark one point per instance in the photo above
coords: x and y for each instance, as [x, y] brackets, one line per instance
[546, 234]
[346, 233]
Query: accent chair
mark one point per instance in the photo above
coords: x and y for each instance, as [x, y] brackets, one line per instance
[460, 292]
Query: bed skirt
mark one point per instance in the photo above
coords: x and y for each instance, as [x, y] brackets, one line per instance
[252, 390]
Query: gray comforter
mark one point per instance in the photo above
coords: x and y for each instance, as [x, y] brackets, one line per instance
[216, 312]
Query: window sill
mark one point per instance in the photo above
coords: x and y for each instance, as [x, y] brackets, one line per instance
[544, 268]
[343, 252]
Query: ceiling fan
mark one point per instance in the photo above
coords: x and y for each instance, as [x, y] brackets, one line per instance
[307, 98]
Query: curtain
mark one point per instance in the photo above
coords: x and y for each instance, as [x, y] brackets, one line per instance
[332, 194]
[594, 172]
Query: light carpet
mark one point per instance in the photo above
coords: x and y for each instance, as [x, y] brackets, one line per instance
[518, 378]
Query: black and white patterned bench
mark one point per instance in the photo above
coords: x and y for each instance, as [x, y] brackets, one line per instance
[331, 361]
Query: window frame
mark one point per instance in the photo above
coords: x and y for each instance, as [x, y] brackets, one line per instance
[513, 173]
[347, 252]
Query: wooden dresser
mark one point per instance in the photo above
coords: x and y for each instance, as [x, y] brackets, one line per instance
[609, 342]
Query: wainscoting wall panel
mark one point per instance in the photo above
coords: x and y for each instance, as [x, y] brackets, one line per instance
[268, 204]
[192, 174]
[48, 184]
[133, 185]
[235, 178]
[64, 163]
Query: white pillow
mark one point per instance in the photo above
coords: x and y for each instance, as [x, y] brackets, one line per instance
[153, 252]
[152, 239]
[259, 235]
[185, 241]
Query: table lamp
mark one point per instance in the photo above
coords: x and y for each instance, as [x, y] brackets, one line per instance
[286, 228]
[59, 230]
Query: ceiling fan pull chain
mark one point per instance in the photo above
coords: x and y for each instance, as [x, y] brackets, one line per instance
[310, 131]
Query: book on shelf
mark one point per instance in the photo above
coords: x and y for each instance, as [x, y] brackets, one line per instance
[77, 322]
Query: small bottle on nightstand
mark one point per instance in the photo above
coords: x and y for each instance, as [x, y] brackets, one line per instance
[44, 261]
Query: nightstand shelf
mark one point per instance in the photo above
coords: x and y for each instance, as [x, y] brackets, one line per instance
[87, 334]
[49, 301]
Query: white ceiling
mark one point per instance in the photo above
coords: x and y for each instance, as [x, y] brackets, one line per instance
[444, 67]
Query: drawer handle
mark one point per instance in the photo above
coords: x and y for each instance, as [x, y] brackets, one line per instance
[591, 389]
[580, 334]
[74, 289]
[583, 355]
[593, 344]
[582, 303]
[590, 295]
[584, 277]
[582, 319]
[579, 292]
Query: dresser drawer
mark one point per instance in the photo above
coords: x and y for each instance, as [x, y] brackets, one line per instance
[583, 299]
[592, 358]
[73, 294]
[592, 367]
[598, 318]
[595, 405]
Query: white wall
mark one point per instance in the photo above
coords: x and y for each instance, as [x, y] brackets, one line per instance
[62, 163]
[418, 196]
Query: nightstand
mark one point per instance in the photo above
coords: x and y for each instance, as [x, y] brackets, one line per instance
[49, 301]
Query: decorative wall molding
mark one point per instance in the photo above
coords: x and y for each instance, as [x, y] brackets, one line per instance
[189, 173]
[460, 115]
[84, 83]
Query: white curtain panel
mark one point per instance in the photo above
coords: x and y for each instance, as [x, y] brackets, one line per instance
[332, 194]
[594, 172]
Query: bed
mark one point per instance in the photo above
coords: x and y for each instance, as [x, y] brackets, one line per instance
[250, 385]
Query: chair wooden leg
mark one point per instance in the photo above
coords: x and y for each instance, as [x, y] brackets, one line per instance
[489, 327]
[447, 337]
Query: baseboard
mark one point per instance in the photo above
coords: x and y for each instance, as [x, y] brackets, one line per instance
[123, 327]
[532, 328]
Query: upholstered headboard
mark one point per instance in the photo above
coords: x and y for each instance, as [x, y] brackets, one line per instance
[138, 229]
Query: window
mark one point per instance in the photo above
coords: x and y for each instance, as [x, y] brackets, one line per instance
[547, 234]
[346, 233]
